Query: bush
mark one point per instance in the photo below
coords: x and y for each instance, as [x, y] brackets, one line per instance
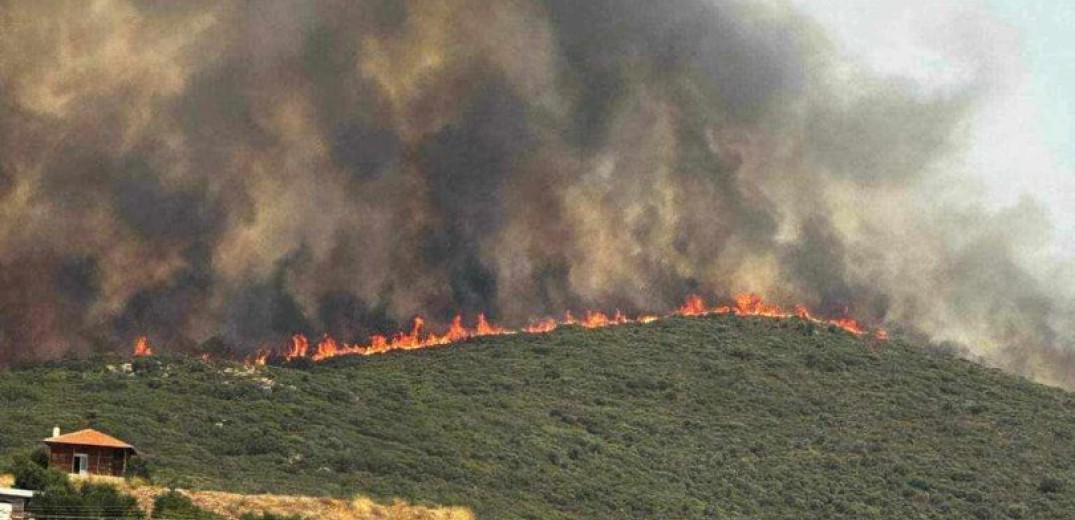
[40, 457]
[174, 504]
[31, 475]
[237, 442]
[59, 497]
[90, 501]
[1051, 485]
[920, 484]
[137, 467]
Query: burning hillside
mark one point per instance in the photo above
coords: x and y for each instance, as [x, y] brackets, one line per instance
[678, 418]
[745, 305]
[249, 173]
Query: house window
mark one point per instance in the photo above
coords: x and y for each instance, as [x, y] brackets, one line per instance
[82, 464]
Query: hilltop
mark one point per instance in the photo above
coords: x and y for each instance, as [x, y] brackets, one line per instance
[720, 417]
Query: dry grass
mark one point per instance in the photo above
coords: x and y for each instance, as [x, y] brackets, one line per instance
[232, 505]
[96, 479]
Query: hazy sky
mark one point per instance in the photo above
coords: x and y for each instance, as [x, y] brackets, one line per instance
[1049, 53]
[1021, 51]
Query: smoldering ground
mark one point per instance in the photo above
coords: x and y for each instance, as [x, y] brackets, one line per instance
[249, 170]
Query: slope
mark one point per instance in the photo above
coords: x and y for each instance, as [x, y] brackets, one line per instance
[683, 418]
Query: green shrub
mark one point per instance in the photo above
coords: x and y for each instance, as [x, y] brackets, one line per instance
[19, 393]
[920, 484]
[137, 467]
[29, 474]
[1051, 485]
[89, 501]
[174, 504]
[236, 442]
[40, 456]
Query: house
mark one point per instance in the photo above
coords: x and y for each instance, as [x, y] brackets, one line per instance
[88, 452]
[13, 503]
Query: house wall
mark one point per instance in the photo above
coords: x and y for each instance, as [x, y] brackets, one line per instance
[102, 461]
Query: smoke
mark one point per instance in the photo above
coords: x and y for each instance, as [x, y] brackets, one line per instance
[246, 171]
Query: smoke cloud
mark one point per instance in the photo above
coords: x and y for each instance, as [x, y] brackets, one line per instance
[247, 171]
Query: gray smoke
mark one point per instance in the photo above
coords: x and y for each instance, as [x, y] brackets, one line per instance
[248, 170]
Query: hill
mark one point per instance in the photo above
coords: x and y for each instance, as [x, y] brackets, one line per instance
[230, 506]
[718, 417]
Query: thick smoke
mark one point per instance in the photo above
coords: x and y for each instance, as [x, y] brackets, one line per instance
[248, 170]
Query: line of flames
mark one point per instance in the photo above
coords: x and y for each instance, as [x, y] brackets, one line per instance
[417, 338]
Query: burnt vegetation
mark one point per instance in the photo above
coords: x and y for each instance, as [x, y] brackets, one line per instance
[717, 417]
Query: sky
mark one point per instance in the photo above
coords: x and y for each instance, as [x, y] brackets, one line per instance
[1049, 53]
[1022, 52]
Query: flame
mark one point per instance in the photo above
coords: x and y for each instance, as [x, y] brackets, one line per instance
[849, 325]
[753, 305]
[742, 305]
[299, 347]
[597, 320]
[694, 306]
[142, 347]
[486, 329]
[541, 326]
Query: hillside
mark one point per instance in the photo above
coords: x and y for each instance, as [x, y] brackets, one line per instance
[231, 506]
[718, 417]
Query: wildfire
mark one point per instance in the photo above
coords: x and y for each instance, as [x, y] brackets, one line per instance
[694, 306]
[743, 305]
[752, 305]
[142, 347]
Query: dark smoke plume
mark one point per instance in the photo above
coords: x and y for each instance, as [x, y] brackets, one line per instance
[241, 171]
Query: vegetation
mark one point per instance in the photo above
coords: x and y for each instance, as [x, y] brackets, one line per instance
[137, 468]
[174, 504]
[59, 498]
[685, 418]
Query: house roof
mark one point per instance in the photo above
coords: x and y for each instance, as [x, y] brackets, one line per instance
[90, 437]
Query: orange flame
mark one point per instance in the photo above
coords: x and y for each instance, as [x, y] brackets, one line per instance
[694, 306]
[487, 329]
[142, 347]
[542, 326]
[597, 320]
[849, 325]
[299, 346]
[753, 305]
[328, 347]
